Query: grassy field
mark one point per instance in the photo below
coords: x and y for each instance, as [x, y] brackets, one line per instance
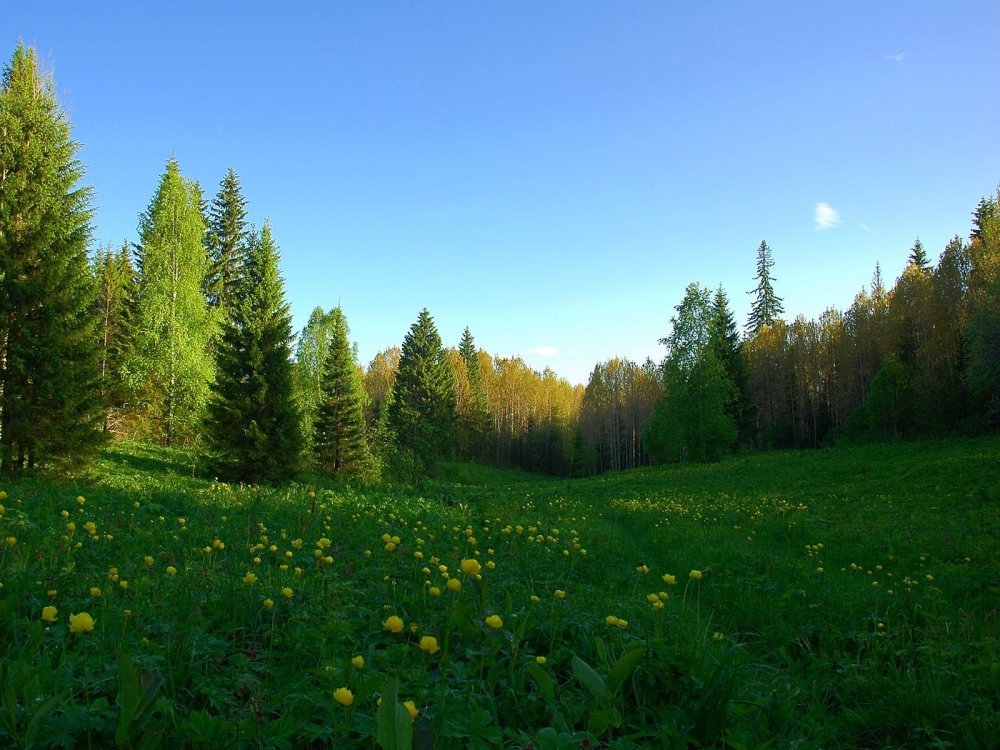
[817, 599]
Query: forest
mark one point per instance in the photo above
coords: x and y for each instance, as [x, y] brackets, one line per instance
[183, 336]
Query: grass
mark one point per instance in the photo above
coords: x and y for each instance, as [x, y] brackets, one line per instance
[843, 598]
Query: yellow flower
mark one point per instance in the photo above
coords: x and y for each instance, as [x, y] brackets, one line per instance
[49, 614]
[148, 559]
[94, 591]
[454, 584]
[494, 622]
[560, 594]
[287, 593]
[268, 603]
[358, 662]
[394, 624]
[471, 566]
[429, 644]
[669, 579]
[534, 599]
[434, 591]
[411, 709]
[81, 623]
[51, 592]
[540, 660]
[171, 570]
[80, 500]
[343, 696]
[695, 575]
[250, 577]
[717, 636]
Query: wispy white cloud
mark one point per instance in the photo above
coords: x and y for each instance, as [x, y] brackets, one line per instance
[897, 57]
[543, 351]
[867, 229]
[826, 216]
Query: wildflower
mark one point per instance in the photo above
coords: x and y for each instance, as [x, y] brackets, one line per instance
[148, 559]
[94, 591]
[287, 593]
[358, 662]
[80, 500]
[393, 624]
[540, 660]
[250, 578]
[560, 594]
[534, 599]
[471, 566]
[695, 575]
[49, 614]
[434, 591]
[91, 527]
[51, 592]
[669, 579]
[171, 570]
[429, 644]
[343, 696]
[81, 623]
[411, 709]
[454, 584]
[268, 603]
[494, 622]
[717, 636]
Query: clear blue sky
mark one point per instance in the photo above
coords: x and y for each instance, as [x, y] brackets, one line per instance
[550, 174]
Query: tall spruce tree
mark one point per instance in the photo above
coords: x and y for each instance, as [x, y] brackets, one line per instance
[116, 295]
[339, 440]
[226, 242]
[170, 366]
[422, 412]
[766, 307]
[253, 425]
[50, 408]
[729, 352]
[474, 414]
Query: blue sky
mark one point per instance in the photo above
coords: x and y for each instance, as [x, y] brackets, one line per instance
[551, 175]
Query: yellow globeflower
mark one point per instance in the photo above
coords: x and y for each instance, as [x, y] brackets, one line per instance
[49, 614]
[287, 593]
[429, 644]
[494, 622]
[560, 594]
[250, 577]
[394, 624]
[471, 566]
[148, 559]
[171, 570]
[81, 623]
[454, 584]
[94, 591]
[434, 591]
[540, 660]
[268, 603]
[343, 696]
[358, 662]
[411, 709]
[695, 575]
[669, 579]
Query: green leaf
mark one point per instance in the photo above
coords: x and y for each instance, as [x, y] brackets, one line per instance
[544, 680]
[393, 729]
[589, 678]
[624, 667]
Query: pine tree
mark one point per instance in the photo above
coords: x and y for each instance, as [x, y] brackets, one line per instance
[729, 352]
[116, 290]
[422, 412]
[170, 365]
[252, 425]
[50, 408]
[339, 442]
[766, 307]
[226, 242]
[474, 414]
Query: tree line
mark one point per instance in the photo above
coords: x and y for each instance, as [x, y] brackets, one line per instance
[184, 336]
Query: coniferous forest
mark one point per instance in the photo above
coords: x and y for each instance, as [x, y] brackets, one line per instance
[182, 335]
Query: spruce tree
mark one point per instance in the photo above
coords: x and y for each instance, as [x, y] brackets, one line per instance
[253, 425]
[422, 412]
[50, 408]
[226, 242]
[766, 307]
[729, 351]
[918, 257]
[474, 417]
[170, 365]
[339, 442]
[116, 293]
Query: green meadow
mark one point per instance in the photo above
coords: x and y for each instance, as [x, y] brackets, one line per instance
[817, 599]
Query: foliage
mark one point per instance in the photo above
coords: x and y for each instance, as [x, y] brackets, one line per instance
[252, 423]
[50, 406]
[340, 444]
[766, 308]
[116, 294]
[169, 366]
[310, 354]
[226, 242]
